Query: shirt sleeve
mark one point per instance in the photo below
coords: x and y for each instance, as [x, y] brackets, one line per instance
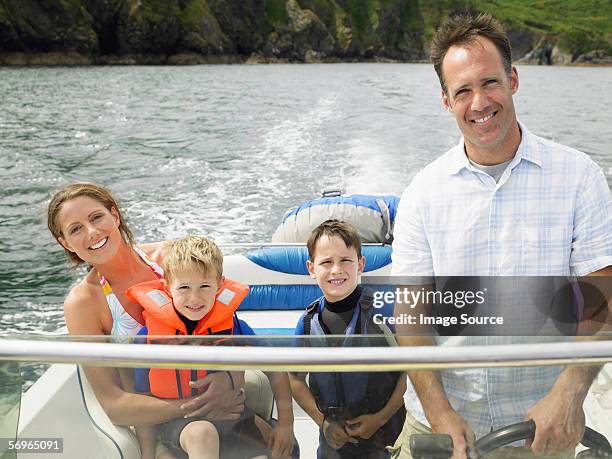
[411, 251]
[141, 375]
[242, 328]
[592, 237]
[299, 327]
[298, 342]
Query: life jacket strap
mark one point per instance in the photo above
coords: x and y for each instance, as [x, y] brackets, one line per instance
[311, 310]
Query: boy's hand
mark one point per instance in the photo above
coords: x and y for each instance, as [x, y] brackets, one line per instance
[335, 435]
[280, 441]
[364, 426]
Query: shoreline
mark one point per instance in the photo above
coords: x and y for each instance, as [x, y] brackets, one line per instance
[72, 59]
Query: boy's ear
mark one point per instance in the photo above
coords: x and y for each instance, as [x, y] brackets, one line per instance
[221, 281]
[361, 265]
[310, 266]
[164, 283]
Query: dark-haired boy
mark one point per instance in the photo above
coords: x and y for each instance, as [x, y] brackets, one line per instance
[358, 413]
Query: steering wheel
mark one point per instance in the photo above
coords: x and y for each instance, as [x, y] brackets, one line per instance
[434, 446]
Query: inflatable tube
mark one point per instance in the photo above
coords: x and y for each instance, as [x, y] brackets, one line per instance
[372, 217]
[292, 260]
[278, 278]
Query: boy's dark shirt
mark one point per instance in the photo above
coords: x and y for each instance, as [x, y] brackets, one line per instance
[336, 316]
[189, 324]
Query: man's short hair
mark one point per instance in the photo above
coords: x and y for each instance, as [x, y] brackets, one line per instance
[333, 227]
[464, 29]
[183, 253]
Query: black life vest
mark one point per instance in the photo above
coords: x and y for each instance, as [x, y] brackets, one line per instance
[346, 395]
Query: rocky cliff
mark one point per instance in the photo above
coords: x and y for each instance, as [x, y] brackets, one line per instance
[209, 31]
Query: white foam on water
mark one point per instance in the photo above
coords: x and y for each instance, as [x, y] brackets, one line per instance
[294, 137]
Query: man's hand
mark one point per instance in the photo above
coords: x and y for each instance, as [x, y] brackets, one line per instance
[449, 422]
[335, 435]
[219, 402]
[364, 426]
[559, 423]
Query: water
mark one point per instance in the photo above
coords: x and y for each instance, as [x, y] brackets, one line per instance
[224, 151]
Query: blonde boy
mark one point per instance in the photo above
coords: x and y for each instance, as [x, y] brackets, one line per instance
[196, 299]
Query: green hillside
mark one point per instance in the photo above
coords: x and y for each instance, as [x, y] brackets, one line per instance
[577, 26]
[199, 31]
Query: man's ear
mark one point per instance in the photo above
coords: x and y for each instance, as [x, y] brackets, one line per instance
[446, 101]
[65, 244]
[514, 80]
[310, 266]
[361, 265]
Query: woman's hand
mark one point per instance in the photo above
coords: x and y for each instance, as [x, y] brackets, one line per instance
[280, 441]
[219, 402]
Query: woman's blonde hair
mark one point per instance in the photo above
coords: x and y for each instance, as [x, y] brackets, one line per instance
[182, 253]
[90, 190]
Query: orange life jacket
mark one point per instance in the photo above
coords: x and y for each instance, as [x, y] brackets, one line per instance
[161, 319]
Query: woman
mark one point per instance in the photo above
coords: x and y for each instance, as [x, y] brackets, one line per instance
[85, 219]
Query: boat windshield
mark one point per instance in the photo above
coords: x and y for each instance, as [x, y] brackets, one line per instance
[11, 386]
[45, 395]
[494, 346]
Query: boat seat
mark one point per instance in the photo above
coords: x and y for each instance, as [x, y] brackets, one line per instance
[121, 442]
[258, 393]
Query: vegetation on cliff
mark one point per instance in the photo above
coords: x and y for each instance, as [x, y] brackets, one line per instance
[192, 31]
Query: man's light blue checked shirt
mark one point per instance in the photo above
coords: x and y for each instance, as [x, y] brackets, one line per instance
[550, 214]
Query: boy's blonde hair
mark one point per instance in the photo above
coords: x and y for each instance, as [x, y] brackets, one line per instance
[183, 253]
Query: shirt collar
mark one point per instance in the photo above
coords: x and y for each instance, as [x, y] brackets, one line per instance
[527, 150]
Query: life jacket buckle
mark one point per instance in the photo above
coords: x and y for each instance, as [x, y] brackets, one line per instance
[335, 413]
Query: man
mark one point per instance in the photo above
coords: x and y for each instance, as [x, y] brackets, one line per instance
[503, 202]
